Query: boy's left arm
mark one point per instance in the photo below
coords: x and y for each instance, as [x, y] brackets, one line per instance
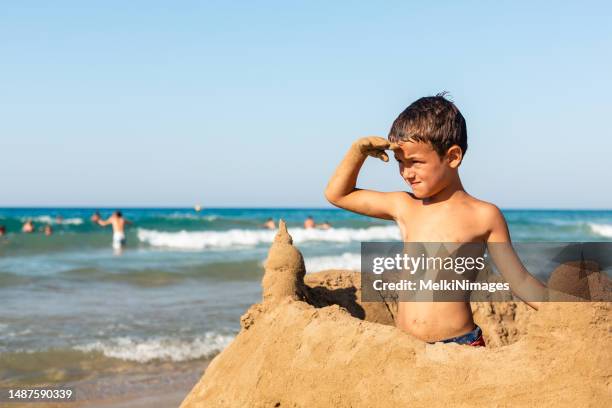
[523, 284]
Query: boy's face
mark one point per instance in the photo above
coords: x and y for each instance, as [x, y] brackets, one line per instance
[422, 168]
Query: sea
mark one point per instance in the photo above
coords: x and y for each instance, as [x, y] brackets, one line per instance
[72, 309]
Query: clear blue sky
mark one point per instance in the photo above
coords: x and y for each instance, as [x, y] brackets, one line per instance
[254, 103]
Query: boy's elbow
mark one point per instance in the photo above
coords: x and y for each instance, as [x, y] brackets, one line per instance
[329, 196]
[334, 199]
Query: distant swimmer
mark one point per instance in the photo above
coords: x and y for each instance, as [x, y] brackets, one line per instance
[118, 223]
[59, 219]
[48, 230]
[325, 225]
[269, 224]
[27, 227]
[309, 223]
[95, 217]
[2, 230]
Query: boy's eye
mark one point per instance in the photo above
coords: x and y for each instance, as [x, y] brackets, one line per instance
[409, 161]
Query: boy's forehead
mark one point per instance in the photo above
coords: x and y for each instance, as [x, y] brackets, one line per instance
[411, 148]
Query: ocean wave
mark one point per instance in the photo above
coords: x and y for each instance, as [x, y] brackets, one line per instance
[605, 230]
[47, 219]
[347, 260]
[180, 216]
[164, 349]
[190, 216]
[195, 240]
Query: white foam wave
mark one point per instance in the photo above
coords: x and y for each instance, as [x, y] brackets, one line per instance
[191, 216]
[195, 240]
[165, 349]
[181, 216]
[47, 219]
[347, 260]
[605, 230]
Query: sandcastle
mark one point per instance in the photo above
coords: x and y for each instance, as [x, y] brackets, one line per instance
[312, 343]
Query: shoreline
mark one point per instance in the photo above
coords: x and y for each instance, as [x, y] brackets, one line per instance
[162, 389]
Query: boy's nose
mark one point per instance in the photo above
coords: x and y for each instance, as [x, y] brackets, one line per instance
[407, 174]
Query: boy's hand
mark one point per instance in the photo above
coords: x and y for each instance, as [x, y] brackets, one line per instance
[374, 146]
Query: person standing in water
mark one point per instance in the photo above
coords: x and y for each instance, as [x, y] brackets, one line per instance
[326, 225]
[118, 223]
[95, 217]
[309, 222]
[269, 224]
[28, 227]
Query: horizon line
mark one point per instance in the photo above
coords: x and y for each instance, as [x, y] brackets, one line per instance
[191, 207]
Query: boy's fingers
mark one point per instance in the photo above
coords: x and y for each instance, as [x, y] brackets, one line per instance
[379, 154]
[381, 143]
[377, 141]
[375, 146]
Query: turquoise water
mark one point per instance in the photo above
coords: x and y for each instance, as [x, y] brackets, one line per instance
[178, 290]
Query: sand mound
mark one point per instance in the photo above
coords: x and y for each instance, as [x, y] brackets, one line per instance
[313, 344]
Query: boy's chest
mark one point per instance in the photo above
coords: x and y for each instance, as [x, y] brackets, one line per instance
[442, 226]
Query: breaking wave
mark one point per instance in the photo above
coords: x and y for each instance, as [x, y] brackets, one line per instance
[197, 240]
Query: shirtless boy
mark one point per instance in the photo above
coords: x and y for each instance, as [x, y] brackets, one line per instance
[429, 142]
[118, 223]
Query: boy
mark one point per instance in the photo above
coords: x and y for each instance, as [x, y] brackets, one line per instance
[118, 223]
[429, 141]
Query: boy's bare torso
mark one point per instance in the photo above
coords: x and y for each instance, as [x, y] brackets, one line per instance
[118, 224]
[455, 220]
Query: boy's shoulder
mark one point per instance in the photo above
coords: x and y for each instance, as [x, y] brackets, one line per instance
[482, 209]
[482, 205]
[481, 217]
[485, 214]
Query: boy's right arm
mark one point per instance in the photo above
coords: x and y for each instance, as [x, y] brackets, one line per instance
[104, 223]
[341, 190]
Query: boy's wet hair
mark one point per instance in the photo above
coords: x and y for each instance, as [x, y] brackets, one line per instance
[118, 214]
[434, 120]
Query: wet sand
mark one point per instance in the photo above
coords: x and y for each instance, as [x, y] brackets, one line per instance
[165, 389]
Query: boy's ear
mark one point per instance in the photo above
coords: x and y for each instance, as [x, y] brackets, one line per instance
[454, 155]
